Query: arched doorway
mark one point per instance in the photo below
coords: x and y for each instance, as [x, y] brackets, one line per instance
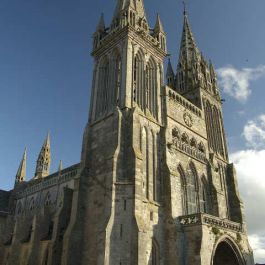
[226, 254]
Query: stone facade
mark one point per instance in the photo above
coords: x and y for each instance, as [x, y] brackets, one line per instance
[154, 185]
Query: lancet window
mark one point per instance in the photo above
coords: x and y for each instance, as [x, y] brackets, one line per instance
[103, 87]
[145, 84]
[194, 192]
[138, 79]
[191, 192]
[214, 129]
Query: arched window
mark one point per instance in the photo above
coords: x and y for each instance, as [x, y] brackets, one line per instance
[47, 200]
[183, 190]
[156, 183]
[192, 190]
[114, 86]
[151, 87]
[138, 79]
[203, 195]
[209, 125]
[103, 87]
[218, 131]
[145, 162]
[155, 253]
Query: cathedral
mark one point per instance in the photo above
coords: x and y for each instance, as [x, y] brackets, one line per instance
[154, 185]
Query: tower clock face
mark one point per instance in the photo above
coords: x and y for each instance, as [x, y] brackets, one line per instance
[188, 119]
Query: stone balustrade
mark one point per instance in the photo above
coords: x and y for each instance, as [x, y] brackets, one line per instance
[54, 179]
[206, 219]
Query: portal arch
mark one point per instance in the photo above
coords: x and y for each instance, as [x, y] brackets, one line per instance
[226, 252]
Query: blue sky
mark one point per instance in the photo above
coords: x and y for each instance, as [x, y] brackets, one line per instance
[45, 77]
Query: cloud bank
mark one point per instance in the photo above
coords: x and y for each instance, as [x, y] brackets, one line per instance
[236, 83]
[254, 132]
[251, 178]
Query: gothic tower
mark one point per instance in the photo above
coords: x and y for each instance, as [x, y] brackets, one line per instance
[156, 186]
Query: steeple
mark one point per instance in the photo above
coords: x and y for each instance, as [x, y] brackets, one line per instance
[44, 159]
[21, 172]
[190, 75]
[170, 75]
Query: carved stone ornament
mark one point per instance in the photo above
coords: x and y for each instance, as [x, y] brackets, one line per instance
[188, 119]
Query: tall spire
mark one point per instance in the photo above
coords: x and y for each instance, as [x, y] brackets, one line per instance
[44, 159]
[188, 44]
[21, 172]
[189, 56]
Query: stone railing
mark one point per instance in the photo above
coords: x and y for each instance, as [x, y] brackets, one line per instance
[54, 179]
[206, 219]
[184, 147]
[183, 101]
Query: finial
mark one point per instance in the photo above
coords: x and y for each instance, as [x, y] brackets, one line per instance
[60, 168]
[185, 8]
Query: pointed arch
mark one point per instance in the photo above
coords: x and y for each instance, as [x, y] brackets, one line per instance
[145, 161]
[218, 131]
[226, 251]
[183, 189]
[47, 199]
[103, 86]
[138, 78]
[204, 194]
[209, 118]
[192, 189]
[155, 255]
[151, 87]
[116, 78]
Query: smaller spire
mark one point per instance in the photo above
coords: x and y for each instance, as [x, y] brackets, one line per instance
[170, 75]
[60, 168]
[44, 159]
[47, 142]
[101, 23]
[169, 68]
[158, 26]
[21, 173]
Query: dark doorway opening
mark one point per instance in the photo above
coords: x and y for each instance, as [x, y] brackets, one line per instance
[225, 255]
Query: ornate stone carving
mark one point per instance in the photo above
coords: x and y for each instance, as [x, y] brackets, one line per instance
[188, 119]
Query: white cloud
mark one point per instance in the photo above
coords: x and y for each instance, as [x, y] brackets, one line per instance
[258, 246]
[254, 132]
[236, 83]
[251, 179]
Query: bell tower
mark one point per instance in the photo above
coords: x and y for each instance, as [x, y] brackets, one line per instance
[121, 182]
